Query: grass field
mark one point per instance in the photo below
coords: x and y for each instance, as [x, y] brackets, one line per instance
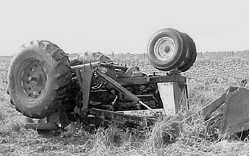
[210, 76]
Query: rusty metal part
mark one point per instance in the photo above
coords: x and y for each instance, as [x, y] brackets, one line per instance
[33, 78]
[152, 79]
[127, 92]
[84, 76]
[143, 104]
[234, 117]
[210, 108]
[236, 113]
[41, 126]
[121, 118]
[118, 86]
[55, 121]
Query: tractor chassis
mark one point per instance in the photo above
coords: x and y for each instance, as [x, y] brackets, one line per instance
[141, 117]
[135, 118]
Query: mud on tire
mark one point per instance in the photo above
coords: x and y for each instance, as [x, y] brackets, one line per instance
[39, 80]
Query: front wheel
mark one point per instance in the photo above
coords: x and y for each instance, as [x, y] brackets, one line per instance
[166, 49]
[170, 49]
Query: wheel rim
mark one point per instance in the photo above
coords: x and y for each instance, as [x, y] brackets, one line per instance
[165, 49]
[33, 78]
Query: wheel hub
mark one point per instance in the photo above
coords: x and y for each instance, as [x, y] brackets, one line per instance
[165, 49]
[33, 79]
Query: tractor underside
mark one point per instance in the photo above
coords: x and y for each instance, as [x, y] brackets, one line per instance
[116, 93]
[43, 83]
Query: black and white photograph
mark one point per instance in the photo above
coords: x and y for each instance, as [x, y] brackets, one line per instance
[124, 78]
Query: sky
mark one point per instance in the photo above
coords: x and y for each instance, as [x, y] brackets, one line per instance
[122, 26]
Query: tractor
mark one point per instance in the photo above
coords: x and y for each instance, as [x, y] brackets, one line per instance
[44, 83]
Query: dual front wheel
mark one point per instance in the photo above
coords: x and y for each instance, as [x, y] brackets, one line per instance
[170, 49]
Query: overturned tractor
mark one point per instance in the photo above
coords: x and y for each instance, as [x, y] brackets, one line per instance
[43, 83]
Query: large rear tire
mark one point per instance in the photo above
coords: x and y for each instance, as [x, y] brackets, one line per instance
[40, 79]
